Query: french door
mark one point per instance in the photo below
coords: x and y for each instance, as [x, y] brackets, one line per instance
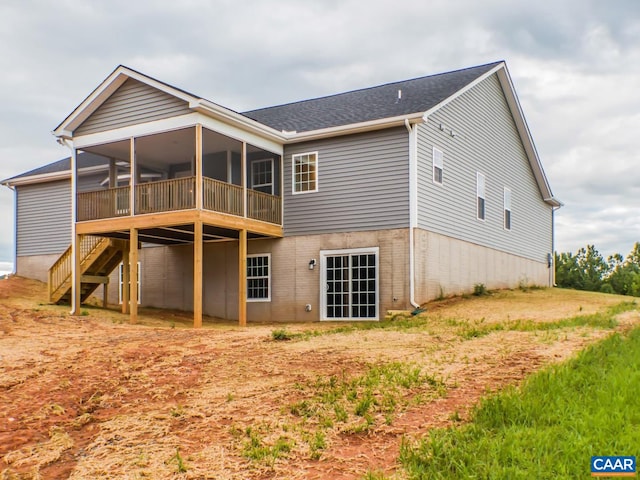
[349, 284]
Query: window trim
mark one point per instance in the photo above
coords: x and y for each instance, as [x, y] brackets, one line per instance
[121, 283]
[481, 191]
[440, 156]
[293, 172]
[507, 208]
[261, 185]
[323, 282]
[268, 277]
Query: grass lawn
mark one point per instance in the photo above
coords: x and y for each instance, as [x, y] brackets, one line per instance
[547, 429]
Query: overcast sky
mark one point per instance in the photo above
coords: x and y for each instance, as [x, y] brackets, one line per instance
[575, 66]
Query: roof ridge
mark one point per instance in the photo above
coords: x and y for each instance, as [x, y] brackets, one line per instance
[364, 89]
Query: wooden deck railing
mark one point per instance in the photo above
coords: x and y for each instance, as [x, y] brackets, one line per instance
[60, 271]
[265, 207]
[222, 197]
[179, 194]
[113, 202]
[166, 195]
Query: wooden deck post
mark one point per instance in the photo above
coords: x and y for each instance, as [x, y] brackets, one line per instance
[133, 262]
[125, 280]
[105, 294]
[198, 167]
[242, 278]
[76, 275]
[197, 274]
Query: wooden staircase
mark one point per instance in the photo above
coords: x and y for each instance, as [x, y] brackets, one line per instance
[98, 258]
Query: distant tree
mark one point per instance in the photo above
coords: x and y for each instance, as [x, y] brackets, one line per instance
[587, 270]
[624, 275]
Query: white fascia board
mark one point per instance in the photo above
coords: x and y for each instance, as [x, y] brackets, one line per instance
[527, 139]
[223, 114]
[351, 128]
[242, 134]
[176, 123]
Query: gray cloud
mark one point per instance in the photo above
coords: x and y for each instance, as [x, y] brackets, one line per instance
[575, 65]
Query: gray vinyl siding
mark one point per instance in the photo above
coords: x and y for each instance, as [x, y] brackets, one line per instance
[485, 141]
[133, 103]
[44, 218]
[363, 184]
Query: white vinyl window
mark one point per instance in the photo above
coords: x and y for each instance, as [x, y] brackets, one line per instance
[480, 195]
[350, 284]
[259, 277]
[507, 208]
[262, 175]
[438, 165]
[305, 172]
[121, 281]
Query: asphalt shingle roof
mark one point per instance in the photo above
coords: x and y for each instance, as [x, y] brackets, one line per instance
[374, 103]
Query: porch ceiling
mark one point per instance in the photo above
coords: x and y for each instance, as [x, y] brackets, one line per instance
[179, 234]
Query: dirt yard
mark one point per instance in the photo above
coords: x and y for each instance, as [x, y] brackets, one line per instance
[93, 397]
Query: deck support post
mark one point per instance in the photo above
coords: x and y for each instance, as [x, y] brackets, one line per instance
[76, 275]
[242, 278]
[133, 273]
[197, 274]
[105, 295]
[125, 280]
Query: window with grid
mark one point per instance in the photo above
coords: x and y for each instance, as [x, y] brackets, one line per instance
[351, 285]
[480, 194]
[262, 175]
[438, 165]
[259, 278]
[507, 209]
[305, 172]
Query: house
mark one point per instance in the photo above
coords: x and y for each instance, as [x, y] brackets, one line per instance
[334, 208]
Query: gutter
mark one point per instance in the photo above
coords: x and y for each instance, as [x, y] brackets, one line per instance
[413, 207]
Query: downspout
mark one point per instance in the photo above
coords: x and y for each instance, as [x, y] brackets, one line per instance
[15, 229]
[413, 207]
[553, 247]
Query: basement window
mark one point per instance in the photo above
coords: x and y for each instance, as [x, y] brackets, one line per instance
[259, 277]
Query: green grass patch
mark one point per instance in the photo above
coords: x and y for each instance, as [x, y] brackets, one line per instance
[550, 427]
[478, 328]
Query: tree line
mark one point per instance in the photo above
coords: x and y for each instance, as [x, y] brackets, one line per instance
[588, 270]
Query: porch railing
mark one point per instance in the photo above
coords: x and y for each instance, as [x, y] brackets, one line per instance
[179, 194]
[113, 202]
[222, 197]
[166, 195]
[265, 207]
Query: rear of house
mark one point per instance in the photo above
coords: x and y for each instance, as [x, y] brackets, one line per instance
[338, 208]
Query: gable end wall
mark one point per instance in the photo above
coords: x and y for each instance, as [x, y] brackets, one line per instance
[485, 141]
[133, 103]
